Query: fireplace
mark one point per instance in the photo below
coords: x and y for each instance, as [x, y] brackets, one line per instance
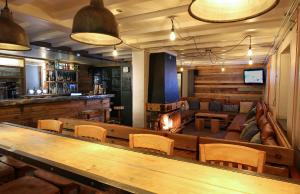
[163, 107]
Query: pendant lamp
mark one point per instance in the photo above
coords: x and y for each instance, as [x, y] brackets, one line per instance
[95, 25]
[12, 36]
[225, 11]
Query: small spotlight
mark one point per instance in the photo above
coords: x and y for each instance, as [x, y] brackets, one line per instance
[223, 69]
[181, 69]
[78, 55]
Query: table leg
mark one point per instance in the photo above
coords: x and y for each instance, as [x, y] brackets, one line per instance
[215, 125]
[199, 123]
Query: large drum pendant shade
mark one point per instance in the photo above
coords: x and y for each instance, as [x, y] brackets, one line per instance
[95, 25]
[12, 36]
[224, 11]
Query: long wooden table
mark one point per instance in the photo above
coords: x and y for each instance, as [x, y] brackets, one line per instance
[133, 171]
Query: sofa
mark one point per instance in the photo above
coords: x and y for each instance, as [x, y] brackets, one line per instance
[192, 105]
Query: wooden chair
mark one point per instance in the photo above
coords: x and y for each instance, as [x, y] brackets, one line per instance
[50, 125]
[234, 156]
[153, 142]
[92, 132]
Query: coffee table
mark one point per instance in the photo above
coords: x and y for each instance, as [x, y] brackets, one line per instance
[214, 118]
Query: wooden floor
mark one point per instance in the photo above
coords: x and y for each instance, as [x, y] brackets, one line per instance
[137, 170]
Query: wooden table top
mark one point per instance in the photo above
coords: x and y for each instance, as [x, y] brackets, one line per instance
[148, 172]
[212, 115]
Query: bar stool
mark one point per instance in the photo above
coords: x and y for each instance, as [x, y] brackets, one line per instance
[65, 185]
[50, 125]
[28, 185]
[119, 109]
[7, 173]
[21, 169]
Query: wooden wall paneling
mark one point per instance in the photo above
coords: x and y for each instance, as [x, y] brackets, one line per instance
[210, 83]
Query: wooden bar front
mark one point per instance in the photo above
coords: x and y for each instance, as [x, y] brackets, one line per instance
[137, 170]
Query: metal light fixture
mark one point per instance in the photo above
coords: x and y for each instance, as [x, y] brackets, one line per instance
[115, 52]
[223, 11]
[12, 36]
[95, 25]
[173, 33]
[250, 61]
[250, 52]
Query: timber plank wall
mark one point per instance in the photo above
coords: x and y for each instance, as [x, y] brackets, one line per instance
[29, 114]
[212, 84]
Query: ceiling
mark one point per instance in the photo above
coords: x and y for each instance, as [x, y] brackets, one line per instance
[145, 24]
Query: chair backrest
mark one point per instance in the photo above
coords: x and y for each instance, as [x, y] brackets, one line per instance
[153, 142]
[50, 125]
[92, 132]
[233, 156]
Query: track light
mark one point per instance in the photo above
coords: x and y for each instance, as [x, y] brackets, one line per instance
[115, 52]
[250, 52]
[172, 34]
[250, 61]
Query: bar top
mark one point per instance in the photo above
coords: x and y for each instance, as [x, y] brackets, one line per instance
[149, 173]
[47, 99]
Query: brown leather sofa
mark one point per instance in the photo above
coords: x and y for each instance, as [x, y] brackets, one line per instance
[267, 132]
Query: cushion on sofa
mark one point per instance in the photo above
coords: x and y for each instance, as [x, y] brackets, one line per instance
[193, 104]
[234, 108]
[215, 106]
[245, 107]
[256, 138]
[259, 111]
[266, 132]
[249, 131]
[270, 141]
[237, 122]
[262, 121]
[249, 121]
[251, 113]
[204, 106]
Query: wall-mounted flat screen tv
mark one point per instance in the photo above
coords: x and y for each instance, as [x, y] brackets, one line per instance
[254, 76]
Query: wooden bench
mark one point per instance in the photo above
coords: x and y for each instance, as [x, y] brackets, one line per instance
[185, 145]
[279, 158]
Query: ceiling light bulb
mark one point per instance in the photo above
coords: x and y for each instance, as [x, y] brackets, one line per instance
[173, 36]
[250, 61]
[181, 69]
[115, 52]
[223, 69]
[250, 52]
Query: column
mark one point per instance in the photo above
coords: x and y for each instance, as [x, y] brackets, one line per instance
[140, 73]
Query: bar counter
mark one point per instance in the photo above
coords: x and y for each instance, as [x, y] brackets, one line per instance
[28, 111]
[47, 99]
[129, 170]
